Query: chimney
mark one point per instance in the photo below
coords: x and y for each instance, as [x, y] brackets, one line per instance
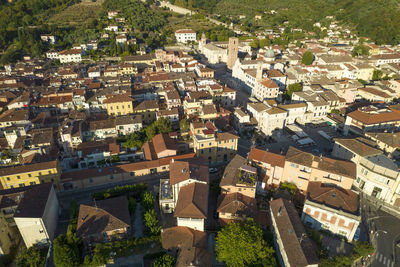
[280, 211]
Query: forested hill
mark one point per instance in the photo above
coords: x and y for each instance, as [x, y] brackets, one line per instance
[376, 19]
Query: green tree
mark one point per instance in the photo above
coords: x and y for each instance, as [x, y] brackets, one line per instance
[164, 261]
[31, 257]
[184, 125]
[136, 139]
[308, 58]
[65, 254]
[377, 75]
[360, 50]
[151, 222]
[148, 200]
[242, 244]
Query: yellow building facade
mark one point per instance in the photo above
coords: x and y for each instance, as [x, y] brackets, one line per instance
[119, 105]
[31, 174]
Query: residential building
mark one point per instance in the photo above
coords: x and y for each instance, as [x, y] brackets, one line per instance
[303, 167]
[388, 142]
[119, 105]
[30, 174]
[332, 209]
[104, 221]
[68, 56]
[239, 177]
[270, 168]
[37, 214]
[148, 109]
[128, 124]
[235, 207]
[185, 36]
[160, 146]
[187, 245]
[211, 145]
[292, 245]
[371, 118]
[192, 207]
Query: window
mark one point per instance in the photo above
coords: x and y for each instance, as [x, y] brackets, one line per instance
[49, 172]
[32, 183]
[111, 177]
[209, 150]
[91, 180]
[29, 175]
[19, 177]
[8, 178]
[41, 231]
[21, 185]
[40, 173]
[132, 173]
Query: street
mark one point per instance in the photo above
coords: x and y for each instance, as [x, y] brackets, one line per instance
[384, 234]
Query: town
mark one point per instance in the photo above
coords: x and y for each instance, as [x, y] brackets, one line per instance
[209, 146]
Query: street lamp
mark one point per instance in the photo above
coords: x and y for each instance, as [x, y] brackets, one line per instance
[376, 233]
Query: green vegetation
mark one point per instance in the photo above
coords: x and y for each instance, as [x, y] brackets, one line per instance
[307, 58]
[360, 249]
[134, 190]
[360, 50]
[291, 188]
[150, 217]
[32, 257]
[243, 244]
[164, 261]
[294, 87]
[184, 125]
[67, 250]
[132, 205]
[137, 139]
[377, 75]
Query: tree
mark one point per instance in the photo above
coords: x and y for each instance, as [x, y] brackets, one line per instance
[377, 75]
[162, 125]
[65, 254]
[294, 87]
[164, 261]
[136, 139]
[184, 125]
[308, 58]
[242, 244]
[151, 222]
[147, 200]
[32, 257]
[360, 50]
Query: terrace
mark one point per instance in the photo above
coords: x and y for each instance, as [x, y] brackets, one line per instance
[247, 175]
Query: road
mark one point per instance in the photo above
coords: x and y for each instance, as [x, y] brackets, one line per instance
[384, 230]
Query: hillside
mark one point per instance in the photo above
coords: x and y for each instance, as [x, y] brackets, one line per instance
[378, 19]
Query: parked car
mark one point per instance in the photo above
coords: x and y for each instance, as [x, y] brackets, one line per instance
[213, 170]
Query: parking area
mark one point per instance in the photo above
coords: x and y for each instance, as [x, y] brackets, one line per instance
[281, 140]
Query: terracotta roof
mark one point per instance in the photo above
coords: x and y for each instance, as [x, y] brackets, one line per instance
[267, 157]
[230, 176]
[225, 136]
[14, 115]
[147, 104]
[373, 118]
[291, 231]
[375, 92]
[340, 167]
[185, 31]
[191, 244]
[158, 144]
[358, 147]
[70, 52]
[28, 168]
[108, 215]
[333, 197]
[118, 99]
[237, 204]
[124, 168]
[269, 83]
[391, 139]
[195, 168]
[192, 201]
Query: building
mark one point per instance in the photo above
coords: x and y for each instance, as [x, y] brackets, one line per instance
[371, 118]
[30, 174]
[303, 167]
[239, 177]
[388, 142]
[213, 146]
[68, 56]
[270, 167]
[292, 245]
[235, 207]
[187, 245]
[106, 220]
[128, 124]
[192, 206]
[160, 146]
[331, 208]
[148, 110]
[36, 214]
[233, 50]
[185, 36]
[119, 105]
